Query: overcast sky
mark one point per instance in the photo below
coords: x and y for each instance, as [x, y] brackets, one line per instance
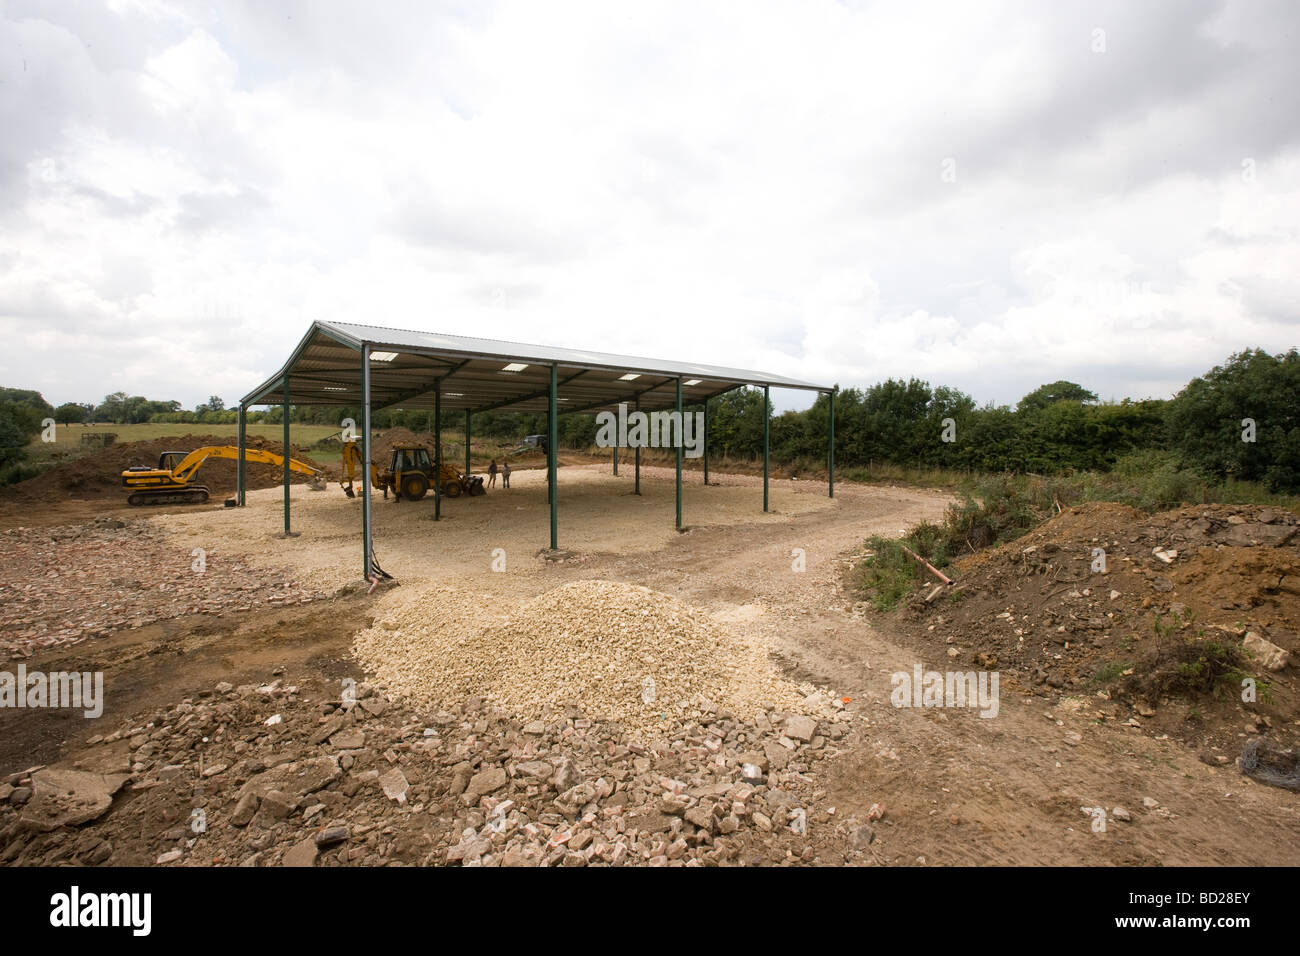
[984, 195]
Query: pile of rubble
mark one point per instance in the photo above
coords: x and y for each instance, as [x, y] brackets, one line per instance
[62, 585]
[265, 775]
[1097, 582]
[630, 654]
[1104, 599]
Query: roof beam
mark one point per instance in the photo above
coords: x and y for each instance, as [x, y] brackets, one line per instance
[544, 393]
[424, 386]
[621, 399]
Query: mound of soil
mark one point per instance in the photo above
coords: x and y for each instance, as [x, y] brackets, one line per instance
[1046, 607]
[382, 442]
[99, 475]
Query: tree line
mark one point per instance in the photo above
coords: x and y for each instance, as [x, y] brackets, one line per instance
[1239, 420]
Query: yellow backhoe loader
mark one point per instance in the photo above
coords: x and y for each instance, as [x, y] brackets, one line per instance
[409, 473]
[172, 482]
[352, 468]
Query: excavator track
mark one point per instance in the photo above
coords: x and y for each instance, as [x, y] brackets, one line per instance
[193, 495]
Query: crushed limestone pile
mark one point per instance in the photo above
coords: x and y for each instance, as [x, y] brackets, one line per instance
[621, 652]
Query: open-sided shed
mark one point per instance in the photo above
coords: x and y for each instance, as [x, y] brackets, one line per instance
[342, 363]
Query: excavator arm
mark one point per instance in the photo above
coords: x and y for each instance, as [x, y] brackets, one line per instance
[184, 472]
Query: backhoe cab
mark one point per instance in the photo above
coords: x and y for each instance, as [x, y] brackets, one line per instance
[409, 473]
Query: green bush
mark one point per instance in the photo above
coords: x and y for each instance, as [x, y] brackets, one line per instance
[931, 542]
[1188, 668]
[1109, 673]
[887, 574]
[999, 508]
[13, 473]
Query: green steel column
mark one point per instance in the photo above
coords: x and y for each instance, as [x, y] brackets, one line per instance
[437, 450]
[706, 441]
[285, 383]
[467, 413]
[636, 488]
[681, 440]
[552, 440]
[241, 483]
[830, 471]
[367, 541]
[766, 416]
[615, 456]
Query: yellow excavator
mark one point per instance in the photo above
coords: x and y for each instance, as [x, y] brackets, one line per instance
[172, 482]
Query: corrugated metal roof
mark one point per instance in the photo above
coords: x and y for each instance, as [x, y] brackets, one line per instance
[325, 369]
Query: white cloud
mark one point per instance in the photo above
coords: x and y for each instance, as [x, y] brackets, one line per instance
[184, 189]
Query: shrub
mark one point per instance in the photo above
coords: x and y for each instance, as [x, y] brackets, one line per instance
[888, 574]
[1194, 667]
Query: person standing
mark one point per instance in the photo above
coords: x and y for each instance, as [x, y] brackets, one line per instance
[505, 474]
[492, 474]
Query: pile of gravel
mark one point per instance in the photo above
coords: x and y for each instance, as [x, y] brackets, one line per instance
[624, 653]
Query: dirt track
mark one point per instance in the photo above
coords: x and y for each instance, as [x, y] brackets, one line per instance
[1013, 785]
[957, 788]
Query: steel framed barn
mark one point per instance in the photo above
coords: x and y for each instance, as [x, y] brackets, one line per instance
[341, 363]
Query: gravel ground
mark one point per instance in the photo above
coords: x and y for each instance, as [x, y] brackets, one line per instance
[625, 653]
[597, 514]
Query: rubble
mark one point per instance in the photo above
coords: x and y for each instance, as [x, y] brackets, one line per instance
[63, 585]
[464, 785]
[61, 796]
[1269, 655]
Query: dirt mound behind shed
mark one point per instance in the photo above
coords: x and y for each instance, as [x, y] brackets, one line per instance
[99, 475]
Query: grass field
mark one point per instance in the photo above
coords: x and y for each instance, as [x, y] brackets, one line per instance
[67, 445]
[68, 437]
